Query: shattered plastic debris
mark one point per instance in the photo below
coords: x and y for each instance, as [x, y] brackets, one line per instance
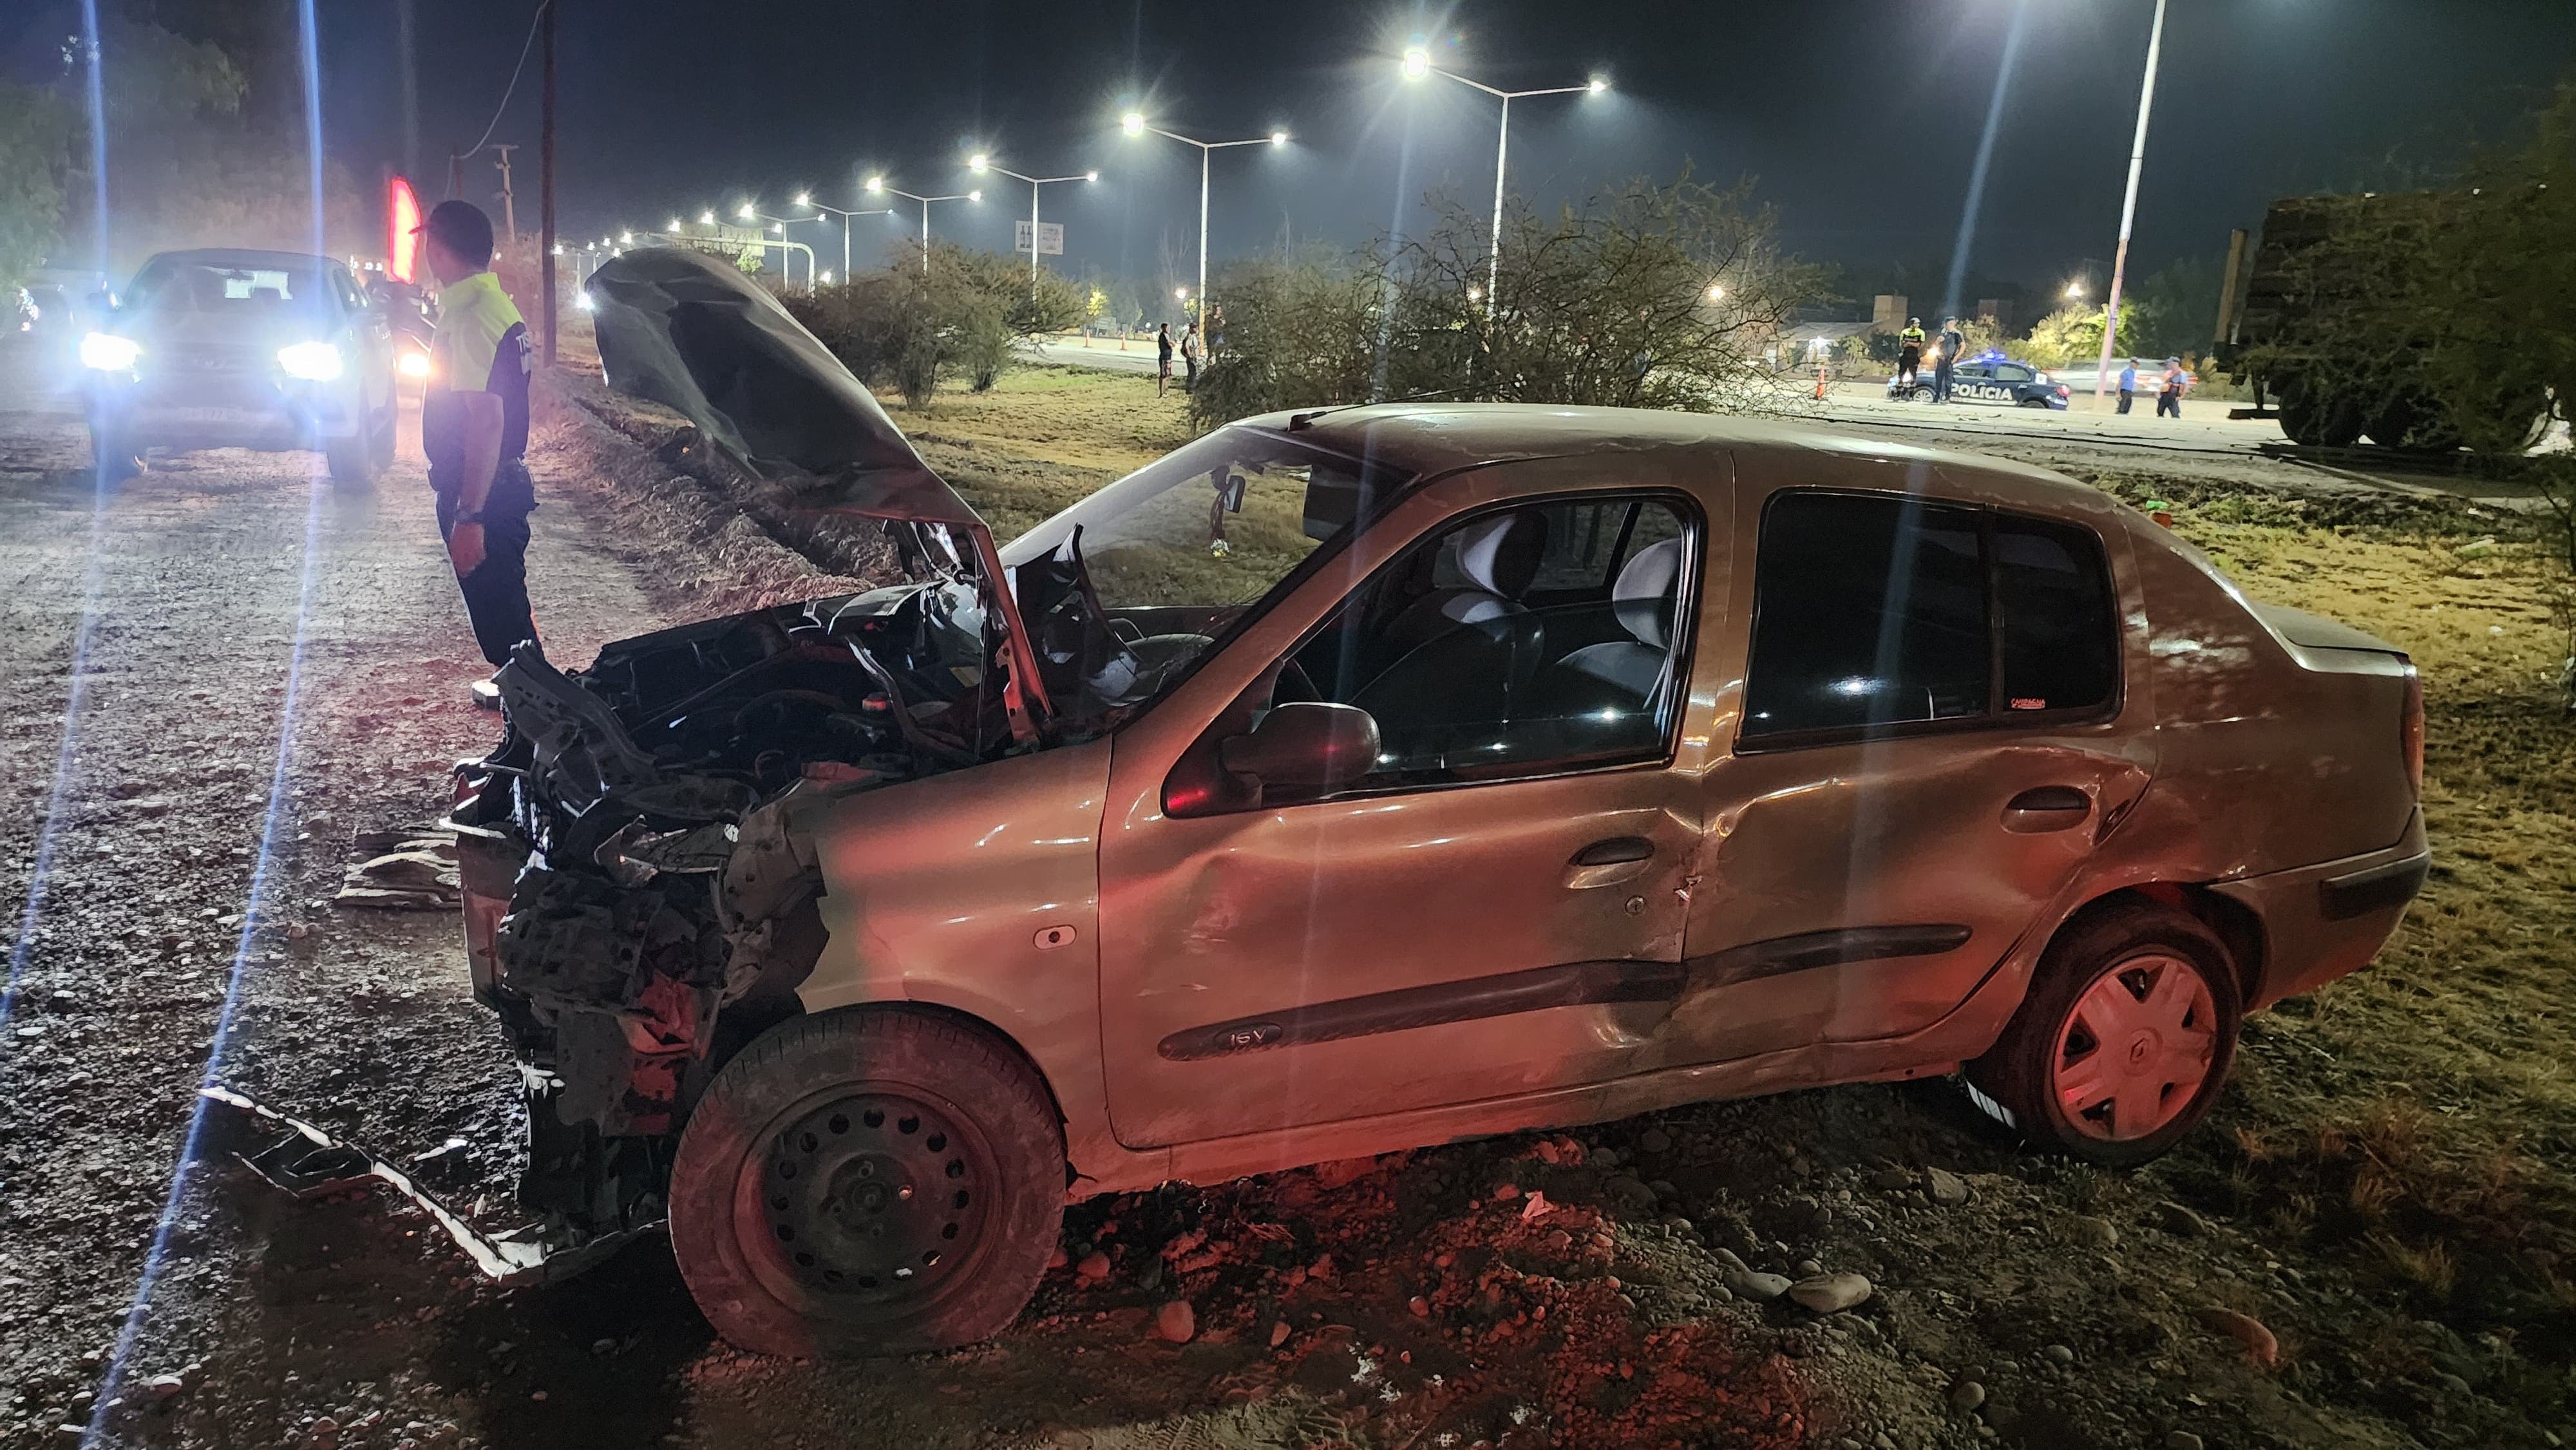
[411, 869]
[312, 1162]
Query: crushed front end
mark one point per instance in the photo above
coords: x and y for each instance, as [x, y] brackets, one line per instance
[637, 865]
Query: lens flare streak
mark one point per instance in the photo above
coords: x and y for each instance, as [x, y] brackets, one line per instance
[275, 824]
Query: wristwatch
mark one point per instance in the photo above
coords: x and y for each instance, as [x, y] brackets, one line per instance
[462, 517]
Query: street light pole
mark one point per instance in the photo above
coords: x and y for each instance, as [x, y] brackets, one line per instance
[1134, 124]
[981, 163]
[807, 199]
[877, 184]
[2129, 204]
[1416, 65]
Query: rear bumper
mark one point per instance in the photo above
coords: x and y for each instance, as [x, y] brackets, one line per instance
[2324, 921]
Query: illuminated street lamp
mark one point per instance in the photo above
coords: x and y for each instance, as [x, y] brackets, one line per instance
[806, 198]
[877, 184]
[707, 218]
[982, 162]
[1417, 64]
[1135, 124]
[1716, 291]
[2074, 291]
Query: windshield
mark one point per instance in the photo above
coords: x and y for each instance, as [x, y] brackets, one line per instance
[171, 285]
[1212, 526]
[1127, 589]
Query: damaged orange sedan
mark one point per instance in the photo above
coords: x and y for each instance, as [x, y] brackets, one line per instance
[1367, 777]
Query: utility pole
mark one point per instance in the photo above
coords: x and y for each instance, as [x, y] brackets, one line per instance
[410, 63]
[2129, 207]
[546, 175]
[509, 210]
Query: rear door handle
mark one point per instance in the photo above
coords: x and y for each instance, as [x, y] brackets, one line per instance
[1608, 862]
[2047, 808]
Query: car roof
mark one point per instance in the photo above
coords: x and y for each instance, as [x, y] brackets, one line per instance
[1427, 439]
[239, 257]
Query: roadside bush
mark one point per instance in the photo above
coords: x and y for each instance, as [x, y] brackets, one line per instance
[907, 326]
[1607, 304]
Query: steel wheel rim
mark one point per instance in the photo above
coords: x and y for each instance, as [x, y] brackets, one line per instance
[864, 1204]
[2136, 1049]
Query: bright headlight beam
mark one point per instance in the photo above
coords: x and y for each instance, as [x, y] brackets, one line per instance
[314, 362]
[108, 352]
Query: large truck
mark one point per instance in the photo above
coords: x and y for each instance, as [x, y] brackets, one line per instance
[2328, 317]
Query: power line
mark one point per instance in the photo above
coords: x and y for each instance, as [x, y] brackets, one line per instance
[512, 89]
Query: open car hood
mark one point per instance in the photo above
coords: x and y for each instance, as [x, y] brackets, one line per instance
[691, 332]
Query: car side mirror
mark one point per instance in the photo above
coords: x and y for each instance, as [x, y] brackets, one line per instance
[1305, 745]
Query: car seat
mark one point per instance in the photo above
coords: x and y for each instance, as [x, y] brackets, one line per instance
[1625, 674]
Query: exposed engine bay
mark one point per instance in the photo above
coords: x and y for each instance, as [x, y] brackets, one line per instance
[637, 855]
[659, 910]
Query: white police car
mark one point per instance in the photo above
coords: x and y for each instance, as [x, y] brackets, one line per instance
[1989, 377]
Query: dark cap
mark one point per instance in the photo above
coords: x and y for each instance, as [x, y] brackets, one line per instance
[462, 228]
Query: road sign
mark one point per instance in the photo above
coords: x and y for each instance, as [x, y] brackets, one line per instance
[1050, 238]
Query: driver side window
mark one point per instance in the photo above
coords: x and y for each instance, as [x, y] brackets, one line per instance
[1528, 640]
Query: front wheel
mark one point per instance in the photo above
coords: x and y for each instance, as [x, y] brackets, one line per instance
[872, 1182]
[2124, 1041]
[112, 455]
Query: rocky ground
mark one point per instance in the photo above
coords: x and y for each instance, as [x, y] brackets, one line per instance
[259, 671]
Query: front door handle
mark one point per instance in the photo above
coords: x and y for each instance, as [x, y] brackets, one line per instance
[2047, 808]
[1609, 862]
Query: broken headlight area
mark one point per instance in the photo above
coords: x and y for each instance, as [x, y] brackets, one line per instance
[638, 876]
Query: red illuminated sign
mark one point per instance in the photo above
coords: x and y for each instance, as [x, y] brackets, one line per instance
[402, 220]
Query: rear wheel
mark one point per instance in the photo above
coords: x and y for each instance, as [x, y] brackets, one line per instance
[2124, 1041]
[872, 1182]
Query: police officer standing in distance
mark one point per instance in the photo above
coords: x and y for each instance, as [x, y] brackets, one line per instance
[474, 427]
[1946, 357]
[1909, 352]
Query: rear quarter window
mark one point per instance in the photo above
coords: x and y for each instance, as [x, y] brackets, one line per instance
[1880, 613]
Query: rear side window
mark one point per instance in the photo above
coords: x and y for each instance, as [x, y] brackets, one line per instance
[2061, 641]
[1874, 612]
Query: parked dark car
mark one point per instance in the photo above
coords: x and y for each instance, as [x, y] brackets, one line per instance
[243, 349]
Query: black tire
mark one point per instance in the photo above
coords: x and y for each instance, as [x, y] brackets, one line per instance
[2016, 1081]
[352, 460]
[797, 1211]
[110, 453]
[2318, 418]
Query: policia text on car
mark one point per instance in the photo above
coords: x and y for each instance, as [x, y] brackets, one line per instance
[474, 427]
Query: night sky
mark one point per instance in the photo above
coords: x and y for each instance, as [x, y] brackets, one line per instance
[1860, 118]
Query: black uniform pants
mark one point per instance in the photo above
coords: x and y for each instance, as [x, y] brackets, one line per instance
[1941, 381]
[2126, 397]
[496, 593]
[2169, 403]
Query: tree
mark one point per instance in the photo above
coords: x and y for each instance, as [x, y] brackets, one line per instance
[907, 326]
[36, 132]
[1609, 304]
[2072, 337]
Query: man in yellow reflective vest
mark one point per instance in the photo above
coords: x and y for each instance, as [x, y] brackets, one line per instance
[474, 427]
[1909, 351]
